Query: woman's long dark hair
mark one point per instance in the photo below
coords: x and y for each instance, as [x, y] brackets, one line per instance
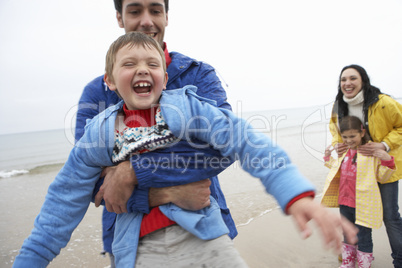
[368, 90]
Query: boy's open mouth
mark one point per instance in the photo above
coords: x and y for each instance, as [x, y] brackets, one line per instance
[142, 88]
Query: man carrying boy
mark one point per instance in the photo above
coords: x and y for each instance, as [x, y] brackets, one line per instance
[135, 68]
[151, 17]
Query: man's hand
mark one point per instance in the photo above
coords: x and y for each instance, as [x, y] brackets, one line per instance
[340, 148]
[369, 148]
[117, 187]
[192, 196]
[330, 224]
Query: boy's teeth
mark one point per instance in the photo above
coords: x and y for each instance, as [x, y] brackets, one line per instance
[142, 85]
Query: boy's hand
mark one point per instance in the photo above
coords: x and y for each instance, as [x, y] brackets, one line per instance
[332, 226]
[117, 187]
[381, 154]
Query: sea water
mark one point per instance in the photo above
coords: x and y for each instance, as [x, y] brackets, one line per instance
[22, 153]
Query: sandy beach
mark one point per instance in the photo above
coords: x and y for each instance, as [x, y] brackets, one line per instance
[273, 241]
[266, 237]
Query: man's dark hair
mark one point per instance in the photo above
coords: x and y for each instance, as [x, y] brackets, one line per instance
[118, 5]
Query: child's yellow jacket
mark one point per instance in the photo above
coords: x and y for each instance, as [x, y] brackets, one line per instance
[368, 197]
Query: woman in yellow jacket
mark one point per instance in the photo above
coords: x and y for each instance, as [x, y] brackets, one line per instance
[382, 118]
[352, 185]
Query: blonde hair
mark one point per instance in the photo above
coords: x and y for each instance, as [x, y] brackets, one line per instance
[131, 39]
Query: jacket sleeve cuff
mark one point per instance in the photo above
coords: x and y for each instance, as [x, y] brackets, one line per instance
[306, 194]
[387, 148]
[29, 260]
[139, 201]
[144, 175]
[389, 163]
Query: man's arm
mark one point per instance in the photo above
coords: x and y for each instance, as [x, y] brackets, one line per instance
[175, 171]
[95, 98]
[210, 86]
[192, 196]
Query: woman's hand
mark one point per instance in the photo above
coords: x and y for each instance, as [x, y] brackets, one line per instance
[369, 148]
[381, 154]
[340, 148]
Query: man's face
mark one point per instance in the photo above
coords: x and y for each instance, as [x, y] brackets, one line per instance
[147, 16]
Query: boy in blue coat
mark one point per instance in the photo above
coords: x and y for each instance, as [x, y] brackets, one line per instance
[147, 119]
[152, 17]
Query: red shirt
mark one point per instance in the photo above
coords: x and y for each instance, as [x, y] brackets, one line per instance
[155, 220]
[347, 183]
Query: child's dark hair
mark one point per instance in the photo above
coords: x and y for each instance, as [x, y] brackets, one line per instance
[353, 122]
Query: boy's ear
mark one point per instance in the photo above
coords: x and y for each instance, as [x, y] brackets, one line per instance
[109, 83]
[166, 79]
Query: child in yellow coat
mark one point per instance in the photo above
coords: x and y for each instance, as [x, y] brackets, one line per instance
[352, 186]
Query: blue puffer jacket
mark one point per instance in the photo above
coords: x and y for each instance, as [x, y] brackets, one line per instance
[70, 193]
[182, 71]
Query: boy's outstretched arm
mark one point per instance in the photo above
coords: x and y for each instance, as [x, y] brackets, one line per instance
[331, 225]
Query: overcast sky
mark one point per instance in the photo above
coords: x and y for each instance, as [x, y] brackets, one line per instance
[272, 54]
